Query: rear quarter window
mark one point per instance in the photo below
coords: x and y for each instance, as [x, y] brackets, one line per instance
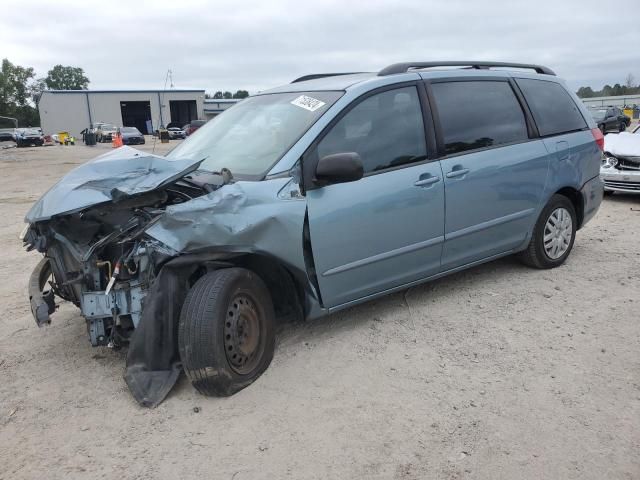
[553, 109]
[478, 114]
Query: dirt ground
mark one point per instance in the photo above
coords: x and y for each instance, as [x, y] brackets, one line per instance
[499, 372]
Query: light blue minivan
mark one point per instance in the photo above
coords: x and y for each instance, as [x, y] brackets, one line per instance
[309, 198]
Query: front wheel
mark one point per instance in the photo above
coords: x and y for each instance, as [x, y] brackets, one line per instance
[226, 333]
[553, 234]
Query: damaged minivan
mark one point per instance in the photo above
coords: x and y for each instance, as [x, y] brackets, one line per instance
[307, 199]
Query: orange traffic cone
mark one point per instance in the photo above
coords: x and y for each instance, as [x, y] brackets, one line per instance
[117, 140]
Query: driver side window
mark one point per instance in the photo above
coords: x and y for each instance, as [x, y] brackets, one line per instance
[385, 129]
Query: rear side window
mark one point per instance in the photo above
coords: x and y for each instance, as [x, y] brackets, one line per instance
[552, 107]
[478, 114]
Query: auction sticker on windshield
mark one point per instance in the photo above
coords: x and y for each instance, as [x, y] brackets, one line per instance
[308, 103]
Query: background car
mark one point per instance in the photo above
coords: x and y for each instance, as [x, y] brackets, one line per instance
[610, 119]
[26, 137]
[7, 134]
[189, 128]
[620, 169]
[176, 132]
[131, 136]
[105, 132]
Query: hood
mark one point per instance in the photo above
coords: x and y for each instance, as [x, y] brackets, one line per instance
[116, 175]
[623, 144]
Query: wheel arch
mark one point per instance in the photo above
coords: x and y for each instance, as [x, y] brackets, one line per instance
[576, 199]
[289, 289]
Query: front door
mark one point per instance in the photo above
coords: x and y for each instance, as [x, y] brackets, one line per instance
[386, 229]
[494, 174]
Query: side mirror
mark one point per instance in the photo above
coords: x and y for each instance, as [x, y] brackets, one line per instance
[339, 168]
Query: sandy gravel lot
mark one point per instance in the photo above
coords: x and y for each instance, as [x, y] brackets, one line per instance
[499, 372]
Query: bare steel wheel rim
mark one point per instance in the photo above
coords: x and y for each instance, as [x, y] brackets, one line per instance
[557, 233]
[243, 334]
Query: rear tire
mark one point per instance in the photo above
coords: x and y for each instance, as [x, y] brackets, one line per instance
[553, 235]
[226, 333]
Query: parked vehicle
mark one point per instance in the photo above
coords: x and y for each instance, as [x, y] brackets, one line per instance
[175, 132]
[190, 128]
[308, 199]
[7, 134]
[610, 119]
[620, 168]
[26, 137]
[105, 132]
[131, 136]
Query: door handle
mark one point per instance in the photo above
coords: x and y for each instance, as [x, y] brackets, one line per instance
[457, 173]
[427, 181]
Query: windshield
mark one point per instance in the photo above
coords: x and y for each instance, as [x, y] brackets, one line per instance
[250, 137]
[598, 114]
[129, 130]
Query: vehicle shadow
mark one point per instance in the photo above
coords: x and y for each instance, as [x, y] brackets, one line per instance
[358, 317]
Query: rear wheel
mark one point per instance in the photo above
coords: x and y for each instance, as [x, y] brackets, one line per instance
[226, 334]
[553, 234]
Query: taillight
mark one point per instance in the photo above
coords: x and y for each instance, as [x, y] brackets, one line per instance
[599, 138]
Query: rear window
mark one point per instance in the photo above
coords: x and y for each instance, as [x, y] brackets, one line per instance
[553, 109]
[478, 114]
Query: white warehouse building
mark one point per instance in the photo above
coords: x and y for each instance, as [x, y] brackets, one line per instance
[74, 110]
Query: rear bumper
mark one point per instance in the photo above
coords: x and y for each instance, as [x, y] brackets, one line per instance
[621, 180]
[592, 193]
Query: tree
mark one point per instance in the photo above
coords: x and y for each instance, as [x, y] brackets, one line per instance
[36, 89]
[630, 81]
[15, 93]
[66, 78]
[227, 95]
[586, 92]
[241, 94]
[217, 95]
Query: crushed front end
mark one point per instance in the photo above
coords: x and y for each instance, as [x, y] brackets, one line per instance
[102, 262]
[91, 228]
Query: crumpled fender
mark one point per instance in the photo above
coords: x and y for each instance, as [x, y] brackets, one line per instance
[242, 217]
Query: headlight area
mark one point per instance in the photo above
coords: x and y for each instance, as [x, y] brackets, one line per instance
[609, 161]
[100, 260]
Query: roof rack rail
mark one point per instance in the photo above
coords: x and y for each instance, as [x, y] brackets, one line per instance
[406, 66]
[314, 76]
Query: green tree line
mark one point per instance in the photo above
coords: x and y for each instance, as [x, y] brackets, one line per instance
[20, 90]
[628, 88]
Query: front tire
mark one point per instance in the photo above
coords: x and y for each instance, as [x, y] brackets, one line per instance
[553, 235]
[226, 335]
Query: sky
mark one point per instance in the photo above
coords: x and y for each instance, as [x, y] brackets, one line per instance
[231, 45]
